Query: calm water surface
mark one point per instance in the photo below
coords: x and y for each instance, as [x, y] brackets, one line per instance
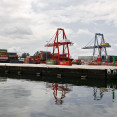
[25, 98]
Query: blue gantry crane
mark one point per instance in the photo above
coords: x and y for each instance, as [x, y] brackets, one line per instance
[99, 44]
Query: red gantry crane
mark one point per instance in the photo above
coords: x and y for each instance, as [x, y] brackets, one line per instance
[64, 58]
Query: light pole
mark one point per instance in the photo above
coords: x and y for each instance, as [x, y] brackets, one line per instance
[46, 51]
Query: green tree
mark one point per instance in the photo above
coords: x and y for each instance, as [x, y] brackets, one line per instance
[37, 53]
[24, 55]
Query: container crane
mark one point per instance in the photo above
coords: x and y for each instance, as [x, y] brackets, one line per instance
[100, 45]
[64, 58]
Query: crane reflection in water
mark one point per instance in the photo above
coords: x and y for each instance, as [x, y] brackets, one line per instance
[99, 92]
[59, 91]
[3, 79]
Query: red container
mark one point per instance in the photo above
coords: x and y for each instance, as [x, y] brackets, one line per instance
[99, 59]
[3, 53]
[110, 64]
[65, 63]
[27, 60]
[115, 63]
[15, 55]
[106, 63]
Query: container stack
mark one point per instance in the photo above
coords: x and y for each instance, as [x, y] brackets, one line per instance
[52, 62]
[108, 60]
[36, 59]
[3, 56]
[86, 58]
[13, 57]
[45, 55]
[29, 60]
[40, 58]
[77, 61]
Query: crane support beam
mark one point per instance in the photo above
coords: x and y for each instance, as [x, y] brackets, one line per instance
[58, 44]
[92, 47]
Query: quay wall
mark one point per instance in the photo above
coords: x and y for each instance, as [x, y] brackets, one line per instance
[54, 71]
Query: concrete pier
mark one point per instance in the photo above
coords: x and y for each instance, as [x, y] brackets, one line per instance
[60, 71]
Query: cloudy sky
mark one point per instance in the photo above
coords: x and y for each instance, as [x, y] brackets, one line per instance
[26, 25]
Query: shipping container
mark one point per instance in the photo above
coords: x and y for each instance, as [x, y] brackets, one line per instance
[115, 63]
[30, 62]
[13, 61]
[45, 52]
[77, 61]
[13, 56]
[108, 63]
[45, 57]
[4, 55]
[65, 63]
[108, 58]
[52, 62]
[3, 58]
[12, 53]
[86, 58]
[3, 51]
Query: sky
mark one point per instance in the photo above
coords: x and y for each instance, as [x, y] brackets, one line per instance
[27, 25]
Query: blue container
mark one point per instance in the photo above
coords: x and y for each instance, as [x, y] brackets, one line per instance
[14, 61]
[108, 60]
[103, 60]
[30, 62]
[103, 57]
[12, 53]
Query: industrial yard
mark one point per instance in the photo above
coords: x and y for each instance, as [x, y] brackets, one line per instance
[60, 64]
[61, 53]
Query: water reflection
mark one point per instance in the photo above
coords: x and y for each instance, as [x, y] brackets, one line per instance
[99, 92]
[3, 79]
[59, 91]
[30, 96]
[61, 87]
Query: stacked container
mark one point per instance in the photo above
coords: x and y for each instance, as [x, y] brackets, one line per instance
[45, 55]
[77, 61]
[86, 58]
[29, 60]
[3, 56]
[13, 57]
[51, 62]
[108, 60]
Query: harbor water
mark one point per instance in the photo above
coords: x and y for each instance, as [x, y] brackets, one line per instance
[21, 97]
